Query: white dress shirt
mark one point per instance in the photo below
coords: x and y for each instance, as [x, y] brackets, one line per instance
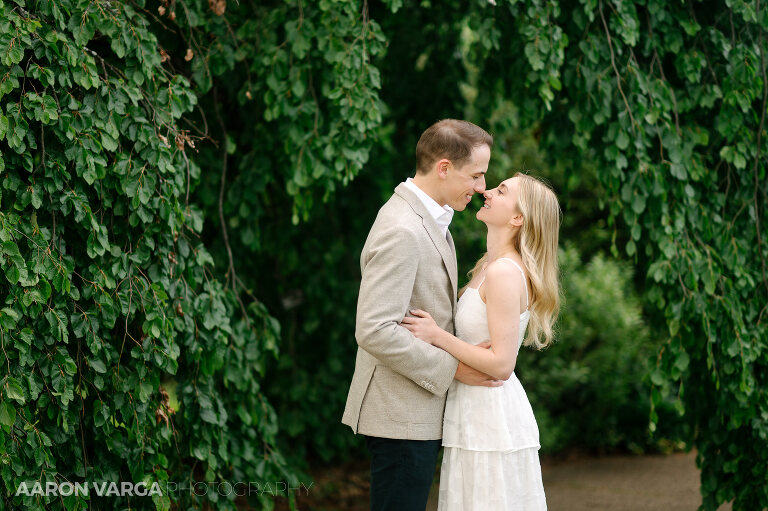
[442, 214]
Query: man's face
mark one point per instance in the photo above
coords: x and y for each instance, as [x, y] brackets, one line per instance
[462, 183]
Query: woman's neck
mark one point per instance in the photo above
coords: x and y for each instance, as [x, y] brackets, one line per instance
[499, 243]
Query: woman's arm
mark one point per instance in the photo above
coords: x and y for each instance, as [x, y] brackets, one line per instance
[503, 287]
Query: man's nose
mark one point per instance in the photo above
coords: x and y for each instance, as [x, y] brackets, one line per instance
[480, 186]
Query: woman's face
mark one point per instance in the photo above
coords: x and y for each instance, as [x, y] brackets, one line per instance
[501, 207]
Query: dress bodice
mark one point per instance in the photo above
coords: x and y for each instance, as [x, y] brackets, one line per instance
[487, 418]
[472, 319]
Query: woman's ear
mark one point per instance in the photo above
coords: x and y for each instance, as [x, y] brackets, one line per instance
[516, 220]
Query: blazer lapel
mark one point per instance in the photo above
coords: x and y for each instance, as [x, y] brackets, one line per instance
[454, 272]
[443, 245]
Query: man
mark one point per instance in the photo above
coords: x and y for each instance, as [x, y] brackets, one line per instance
[398, 391]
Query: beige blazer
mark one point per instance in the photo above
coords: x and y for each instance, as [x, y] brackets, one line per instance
[400, 382]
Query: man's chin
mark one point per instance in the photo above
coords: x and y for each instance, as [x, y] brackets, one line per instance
[460, 204]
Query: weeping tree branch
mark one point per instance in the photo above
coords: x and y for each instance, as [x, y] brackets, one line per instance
[231, 275]
[224, 157]
[615, 69]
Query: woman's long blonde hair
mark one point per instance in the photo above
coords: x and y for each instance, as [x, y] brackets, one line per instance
[537, 244]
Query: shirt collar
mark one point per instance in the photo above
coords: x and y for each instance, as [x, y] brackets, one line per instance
[441, 214]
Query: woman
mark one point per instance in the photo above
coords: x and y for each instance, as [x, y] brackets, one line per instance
[490, 435]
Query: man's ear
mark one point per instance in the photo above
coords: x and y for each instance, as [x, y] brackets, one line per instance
[442, 167]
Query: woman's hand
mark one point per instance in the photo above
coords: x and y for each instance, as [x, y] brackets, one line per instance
[423, 326]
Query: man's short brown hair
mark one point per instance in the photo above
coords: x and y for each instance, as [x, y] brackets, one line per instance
[452, 139]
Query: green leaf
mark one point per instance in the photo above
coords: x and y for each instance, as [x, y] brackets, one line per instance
[682, 361]
[200, 451]
[27, 335]
[69, 367]
[739, 161]
[107, 142]
[97, 365]
[12, 274]
[208, 415]
[298, 88]
[657, 377]
[7, 413]
[3, 126]
[638, 203]
[14, 390]
[30, 296]
[45, 288]
[14, 54]
[622, 141]
[674, 326]
[37, 197]
[8, 318]
[145, 391]
[10, 248]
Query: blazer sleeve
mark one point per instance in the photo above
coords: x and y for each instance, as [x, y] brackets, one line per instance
[386, 288]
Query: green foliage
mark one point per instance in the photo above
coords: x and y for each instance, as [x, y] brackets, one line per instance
[588, 389]
[107, 292]
[302, 71]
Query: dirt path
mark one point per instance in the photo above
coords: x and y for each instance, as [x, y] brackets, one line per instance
[621, 483]
[625, 483]
[615, 483]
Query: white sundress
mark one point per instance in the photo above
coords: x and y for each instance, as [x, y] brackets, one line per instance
[490, 435]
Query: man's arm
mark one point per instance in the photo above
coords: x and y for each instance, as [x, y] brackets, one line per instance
[386, 288]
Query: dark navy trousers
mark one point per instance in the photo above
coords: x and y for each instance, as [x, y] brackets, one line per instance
[401, 472]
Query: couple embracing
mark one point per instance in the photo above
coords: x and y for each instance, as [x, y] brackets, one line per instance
[432, 371]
